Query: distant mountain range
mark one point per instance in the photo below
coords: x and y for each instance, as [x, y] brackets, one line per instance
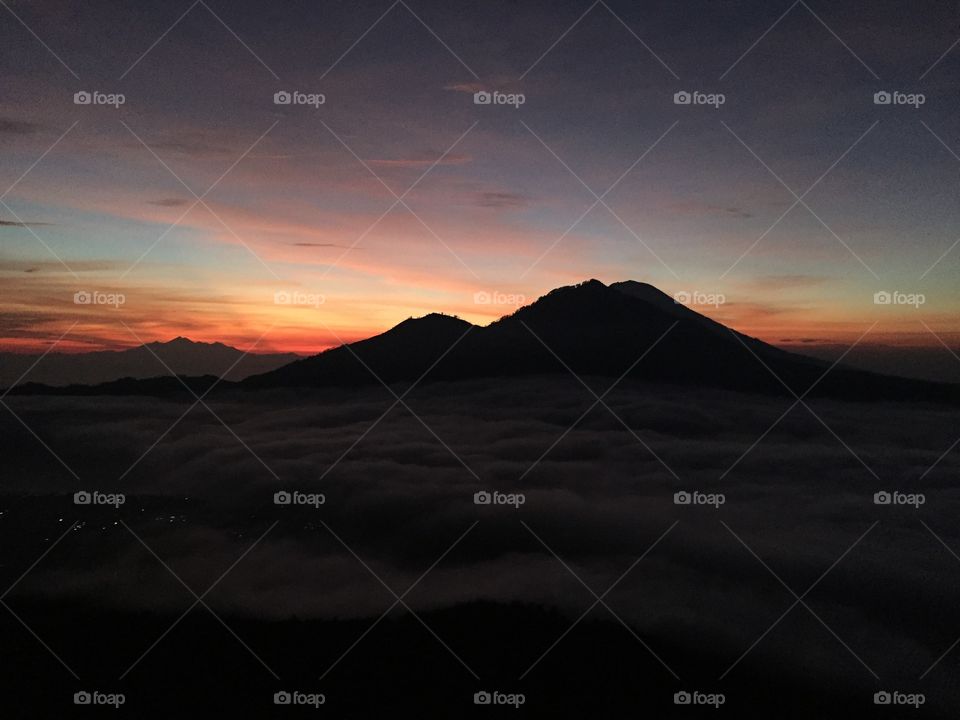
[590, 329]
[183, 356]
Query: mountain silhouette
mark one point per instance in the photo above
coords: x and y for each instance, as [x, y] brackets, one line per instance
[181, 355]
[592, 329]
[404, 352]
[628, 329]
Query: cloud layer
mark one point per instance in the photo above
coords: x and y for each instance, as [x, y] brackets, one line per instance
[599, 499]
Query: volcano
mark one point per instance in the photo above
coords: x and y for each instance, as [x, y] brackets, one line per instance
[629, 329]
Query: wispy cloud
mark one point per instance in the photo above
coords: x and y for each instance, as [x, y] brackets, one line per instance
[693, 207]
[422, 162]
[16, 223]
[17, 127]
[470, 87]
[502, 200]
[324, 245]
[169, 202]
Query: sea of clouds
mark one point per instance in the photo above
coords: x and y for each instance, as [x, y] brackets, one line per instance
[595, 499]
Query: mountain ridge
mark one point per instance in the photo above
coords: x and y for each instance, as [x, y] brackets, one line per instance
[593, 329]
[627, 330]
[182, 355]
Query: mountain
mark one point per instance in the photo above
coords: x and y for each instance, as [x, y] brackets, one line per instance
[592, 329]
[629, 329]
[403, 352]
[183, 356]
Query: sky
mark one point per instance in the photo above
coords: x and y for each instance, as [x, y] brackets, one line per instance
[199, 207]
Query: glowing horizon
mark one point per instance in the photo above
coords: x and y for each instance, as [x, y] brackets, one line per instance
[399, 195]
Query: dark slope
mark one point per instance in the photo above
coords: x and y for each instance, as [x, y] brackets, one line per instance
[404, 352]
[163, 387]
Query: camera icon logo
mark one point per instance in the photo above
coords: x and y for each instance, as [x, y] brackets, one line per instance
[282, 698]
[882, 698]
[82, 698]
[882, 98]
[82, 98]
[482, 97]
[82, 297]
[482, 298]
[482, 498]
[282, 97]
[682, 98]
[682, 698]
[281, 297]
[882, 298]
[482, 698]
[682, 297]
[682, 498]
[282, 498]
[82, 498]
[882, 498]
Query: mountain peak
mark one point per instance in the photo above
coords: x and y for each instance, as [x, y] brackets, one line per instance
[432, 322]
[437, 318]
[642, 290]
[184, 343]
[588, 299]
[177, 342]
[591, 283]
[587, 286]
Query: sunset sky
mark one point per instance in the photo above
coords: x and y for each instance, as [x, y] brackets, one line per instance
[102, 198]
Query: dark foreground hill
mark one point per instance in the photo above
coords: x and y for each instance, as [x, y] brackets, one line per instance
[599, 670]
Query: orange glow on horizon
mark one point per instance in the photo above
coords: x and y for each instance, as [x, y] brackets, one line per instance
[279, 329]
